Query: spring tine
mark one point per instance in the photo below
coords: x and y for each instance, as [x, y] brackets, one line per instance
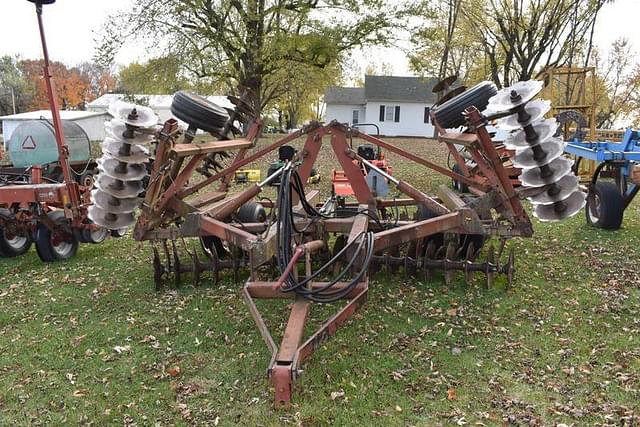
[503, 242]
[490, 263]
[236, 266]
[158, 269]
[469, 258]
[167, 256]
[511, 270]
[450, 254]
[196, 267]
[176, 264]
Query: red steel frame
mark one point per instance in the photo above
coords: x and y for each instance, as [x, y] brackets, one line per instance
[208, 215]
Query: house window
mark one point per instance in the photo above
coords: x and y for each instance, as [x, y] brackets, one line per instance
[355, 117]
[389, 113]
[389, 116]
[427, 117]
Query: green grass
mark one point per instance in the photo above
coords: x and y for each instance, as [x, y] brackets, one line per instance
[561, 346]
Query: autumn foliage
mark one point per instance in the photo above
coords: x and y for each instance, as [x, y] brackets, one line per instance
[75, 86]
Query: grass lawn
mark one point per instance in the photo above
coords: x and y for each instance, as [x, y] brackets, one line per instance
[88, 341]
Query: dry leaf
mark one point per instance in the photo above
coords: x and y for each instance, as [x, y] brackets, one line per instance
[451, 394]
[80, 393]
[174, 372]
[337, 394]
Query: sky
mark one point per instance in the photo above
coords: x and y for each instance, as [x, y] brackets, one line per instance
[71, 26]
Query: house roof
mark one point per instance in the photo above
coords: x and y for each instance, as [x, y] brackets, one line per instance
[153, 101]
[401, 89]
[46, 114]
[384, 88]
[345, 95]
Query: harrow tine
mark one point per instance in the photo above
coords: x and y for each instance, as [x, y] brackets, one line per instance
[167, 256]
[158, 268]
[428, 254]
[450, 254]
[490, 263]
[510, 267]
[196, 267]
[503, 242]
[176, 264]
[470, 256]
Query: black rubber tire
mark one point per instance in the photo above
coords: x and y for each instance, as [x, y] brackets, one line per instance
[14, 247]
[44, 244]
[252, 212]
[460, 187]
[198, 111]
[605, 206]
[118, 233]
[426, 213]
[449, 115]
[95, 236]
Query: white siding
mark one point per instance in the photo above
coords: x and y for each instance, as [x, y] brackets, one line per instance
[344, 113]
[411, 119]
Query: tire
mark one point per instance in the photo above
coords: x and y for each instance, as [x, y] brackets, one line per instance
[95, 236]
[460, 187]
[252, 212]
[198, 112]
[426, 213]
[47, 250]
[449, 115]
[15, 246]
[605, 206]
[118, 233]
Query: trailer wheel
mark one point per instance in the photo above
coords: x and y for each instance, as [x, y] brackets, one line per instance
[605, 206]
[252, 212]
[459, 186]
[95, 236]
[55, 245]
[449, 115]
[198, 111]
[14, 246]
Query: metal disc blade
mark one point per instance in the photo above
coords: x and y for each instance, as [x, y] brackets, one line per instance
[110, 220]
[545, 129]
[444, 84]
[109, 203]
[117, 188]
[133, 171]
[533, 177]
[132, 114]
[137, 153]
[536, 109]
[553, 147]
[561, 210]
[567, 185]
[116, 128]
[525, 91]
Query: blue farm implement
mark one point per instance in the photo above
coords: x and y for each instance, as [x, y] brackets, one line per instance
[615, 180]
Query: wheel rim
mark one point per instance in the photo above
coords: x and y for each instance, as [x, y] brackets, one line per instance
[17, 242]
[98, 235]
[594, 208]
[61, 247]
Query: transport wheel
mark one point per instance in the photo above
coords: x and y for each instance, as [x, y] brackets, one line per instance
[460, 187]
[198, 111]
[449, 115]
[95, 236]
[15, 245]
[55, 245]
[252, 212]
[605, 206]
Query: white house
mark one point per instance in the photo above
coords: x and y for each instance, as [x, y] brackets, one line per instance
[160, 104]
[399, 106]
[92, 122]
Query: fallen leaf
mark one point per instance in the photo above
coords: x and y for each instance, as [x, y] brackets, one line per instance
[80, 393]
[174, 372]
[337, 394]
[451, 394]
